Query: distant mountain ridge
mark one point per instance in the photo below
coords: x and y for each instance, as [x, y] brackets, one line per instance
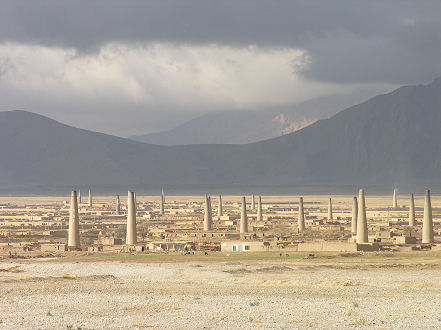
[38, 151]
[391, 139]
[246, 126]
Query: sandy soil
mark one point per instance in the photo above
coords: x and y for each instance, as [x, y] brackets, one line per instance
[327, 291]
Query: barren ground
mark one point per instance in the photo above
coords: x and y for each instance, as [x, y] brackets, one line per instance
[372, 290]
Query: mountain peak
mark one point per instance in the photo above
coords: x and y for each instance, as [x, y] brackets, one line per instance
[240, 127]
[22, 114]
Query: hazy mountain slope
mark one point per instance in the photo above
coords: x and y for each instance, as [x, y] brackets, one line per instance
[390, 139]
[238, 127]
[36, 150]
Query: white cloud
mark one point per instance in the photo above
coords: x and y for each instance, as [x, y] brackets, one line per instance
[182, 76]
[95, 90]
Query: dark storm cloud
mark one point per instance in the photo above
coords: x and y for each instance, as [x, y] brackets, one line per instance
[349, 41]
[157, 63]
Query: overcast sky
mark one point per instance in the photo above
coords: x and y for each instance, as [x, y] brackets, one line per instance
[129, 67]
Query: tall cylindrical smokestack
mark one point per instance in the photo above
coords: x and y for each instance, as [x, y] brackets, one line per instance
[161, 206]
[243, 217]
[412, 211]
[330, 216]
[362, 229]
[259, 209]
[427, 220]
[395, 200]
[131, 238]
[354, 215]
[118, 205]
[90, 198]
[219, 209]
[73, 240]
[301, 218]
[208, 221]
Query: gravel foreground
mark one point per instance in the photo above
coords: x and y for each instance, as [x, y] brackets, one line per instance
[273, 294]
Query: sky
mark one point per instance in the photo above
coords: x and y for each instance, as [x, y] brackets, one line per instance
[132, 67]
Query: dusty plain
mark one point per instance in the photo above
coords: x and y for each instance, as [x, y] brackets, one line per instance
[102, 291]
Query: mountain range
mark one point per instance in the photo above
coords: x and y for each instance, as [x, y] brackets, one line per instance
[391, 139]
[247, 126]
